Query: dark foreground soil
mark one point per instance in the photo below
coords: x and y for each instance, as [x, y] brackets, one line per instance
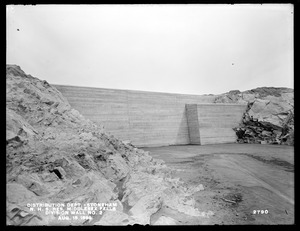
[240, 181]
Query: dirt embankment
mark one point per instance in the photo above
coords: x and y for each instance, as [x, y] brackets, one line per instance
[55, 155]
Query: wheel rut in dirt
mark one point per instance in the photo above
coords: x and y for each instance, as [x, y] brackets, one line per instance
[238, 180]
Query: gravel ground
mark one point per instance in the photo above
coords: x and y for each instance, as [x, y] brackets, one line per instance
[240, 181]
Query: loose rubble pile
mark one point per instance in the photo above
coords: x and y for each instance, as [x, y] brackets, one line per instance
[269, 118]
[55, 155]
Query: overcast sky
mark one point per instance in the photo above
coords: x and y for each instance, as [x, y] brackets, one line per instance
[189, 49]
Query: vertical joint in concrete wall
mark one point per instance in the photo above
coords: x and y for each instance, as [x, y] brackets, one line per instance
[216, 122]
[193, 123]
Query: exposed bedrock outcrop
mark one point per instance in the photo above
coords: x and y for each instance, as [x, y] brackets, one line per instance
[269, 117]
[55, 155]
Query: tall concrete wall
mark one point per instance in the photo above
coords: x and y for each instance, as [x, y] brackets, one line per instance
[213, 123]
[193, 123]
[145, 118]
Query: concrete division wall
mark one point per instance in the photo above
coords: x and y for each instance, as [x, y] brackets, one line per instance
[145, 118]
[214, 122]
[193, 123]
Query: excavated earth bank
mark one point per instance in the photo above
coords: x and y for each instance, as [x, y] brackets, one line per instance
[55, 155]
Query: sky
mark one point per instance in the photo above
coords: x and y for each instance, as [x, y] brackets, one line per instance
[188, 49]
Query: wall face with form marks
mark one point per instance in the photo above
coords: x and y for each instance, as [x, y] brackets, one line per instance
[144, 118]
[193, 123]
[213, 123]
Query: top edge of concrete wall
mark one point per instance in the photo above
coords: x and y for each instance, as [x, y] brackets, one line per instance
[219, 104]
[138, 91]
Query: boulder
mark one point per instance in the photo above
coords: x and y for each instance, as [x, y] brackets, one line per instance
[195, 189]
[18, 194]
[163, 220]
[110, 218]
[145, 207]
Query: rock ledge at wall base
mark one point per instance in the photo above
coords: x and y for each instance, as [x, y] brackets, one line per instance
[269, 118]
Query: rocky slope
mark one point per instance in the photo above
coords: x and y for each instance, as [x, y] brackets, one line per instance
[269, 118]
[55, 155]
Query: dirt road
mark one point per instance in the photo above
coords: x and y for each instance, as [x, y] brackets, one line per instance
[240, 181]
